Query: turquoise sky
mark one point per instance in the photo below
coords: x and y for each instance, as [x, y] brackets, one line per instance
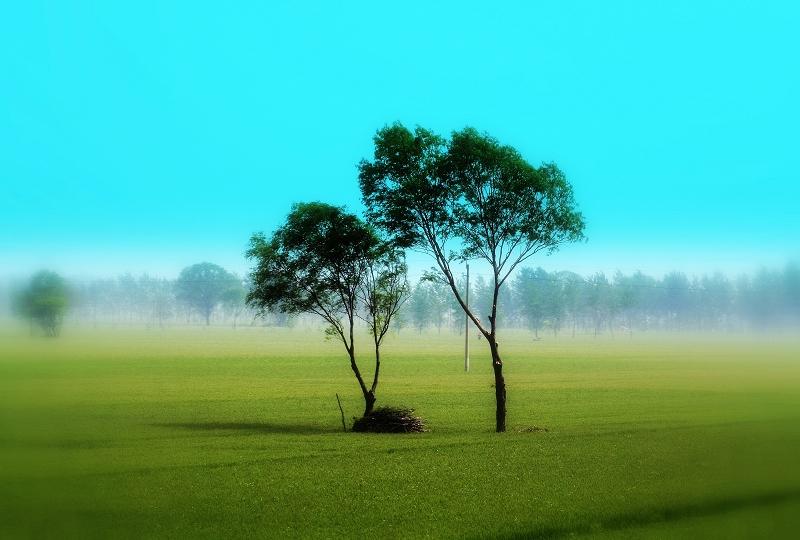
[145, 136]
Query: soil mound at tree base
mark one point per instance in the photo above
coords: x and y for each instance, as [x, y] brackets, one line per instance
[390, 420]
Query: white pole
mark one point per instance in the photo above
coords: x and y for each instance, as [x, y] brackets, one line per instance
[466, 328]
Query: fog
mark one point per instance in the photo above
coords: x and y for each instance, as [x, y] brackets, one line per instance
[548, 304]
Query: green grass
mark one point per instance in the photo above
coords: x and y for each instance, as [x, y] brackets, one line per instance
[220, 433]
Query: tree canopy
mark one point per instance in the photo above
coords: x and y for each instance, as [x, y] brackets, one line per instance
[468, 197]
[204, 286]
[44, 301]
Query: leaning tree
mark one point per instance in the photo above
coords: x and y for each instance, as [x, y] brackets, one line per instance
[468, 198]
[327, 262]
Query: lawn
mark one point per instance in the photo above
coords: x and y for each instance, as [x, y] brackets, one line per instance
[214, 433]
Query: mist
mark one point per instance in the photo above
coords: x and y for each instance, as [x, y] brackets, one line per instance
[555, 304]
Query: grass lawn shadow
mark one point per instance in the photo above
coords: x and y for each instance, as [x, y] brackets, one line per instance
[628, 520]
[253, 427]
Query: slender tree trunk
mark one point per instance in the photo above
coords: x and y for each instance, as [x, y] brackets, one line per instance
[377, 368]
[499, 386]
[369, 395]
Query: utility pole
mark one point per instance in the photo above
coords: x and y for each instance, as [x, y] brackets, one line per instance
[466, 328]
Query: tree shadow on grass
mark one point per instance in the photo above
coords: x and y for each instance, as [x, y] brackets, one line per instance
[628, 520]
[252, 427]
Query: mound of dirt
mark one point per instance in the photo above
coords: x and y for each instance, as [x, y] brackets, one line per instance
[390, 420]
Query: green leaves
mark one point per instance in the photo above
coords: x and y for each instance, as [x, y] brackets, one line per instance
[314, 263]
[203, 286]
[425, 191]
[44, 301]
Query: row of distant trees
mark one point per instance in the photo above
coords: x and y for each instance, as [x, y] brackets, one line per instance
[204, 293]
[551, 303]
[565, 302]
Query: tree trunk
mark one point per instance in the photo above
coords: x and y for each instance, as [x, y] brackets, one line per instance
[369, 402]
[499, 387]
[369, 395]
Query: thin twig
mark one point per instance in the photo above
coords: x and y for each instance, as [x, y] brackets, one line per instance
[344, 426]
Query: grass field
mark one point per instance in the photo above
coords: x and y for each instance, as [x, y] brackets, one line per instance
[219, 433]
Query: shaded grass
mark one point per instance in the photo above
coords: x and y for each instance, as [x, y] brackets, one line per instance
[218, 433]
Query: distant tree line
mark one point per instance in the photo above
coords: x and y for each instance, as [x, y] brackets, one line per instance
[547, 303]
[203, 294]
[564, 302]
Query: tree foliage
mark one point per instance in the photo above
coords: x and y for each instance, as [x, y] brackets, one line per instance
[44, 301]
[204, 286]
[465, 198]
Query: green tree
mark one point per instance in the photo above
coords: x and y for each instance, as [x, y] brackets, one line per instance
[383, 291]
[327, 262]
[44, 301]
[676, 294]
[532, 289]
[234, 300]
[204, 286]
[468, 198]
[421, 305]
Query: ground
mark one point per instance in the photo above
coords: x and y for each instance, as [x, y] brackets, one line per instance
[218, 433]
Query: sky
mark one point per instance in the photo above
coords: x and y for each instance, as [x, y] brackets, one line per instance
[145, 136]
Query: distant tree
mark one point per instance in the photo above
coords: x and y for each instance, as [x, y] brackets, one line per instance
[468, 198]
[571, 287]
[677, 299]
[440, 303]
[626, 298]
[530, 287]
[325, 261]
[453, 306]
[44, 301]
[204, 286]
[234, 299]
[481, 299]
[131, 295]
[599, 301]
[554, 307]
[421, 306]
[766, 298]
[716, 300]
[791, 284]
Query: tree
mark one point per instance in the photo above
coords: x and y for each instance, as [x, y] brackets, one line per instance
[791, 284]
[716, 294]
[44, 301]
[203, 286]
[572, 286]
[421, 305]
[326, 262]
[468, 198]
[383, 291]
[531, 288]
[234, 300]
[599, 301]
[676, 291]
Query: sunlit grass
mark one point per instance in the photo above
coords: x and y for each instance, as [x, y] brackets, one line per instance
[216, 433]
